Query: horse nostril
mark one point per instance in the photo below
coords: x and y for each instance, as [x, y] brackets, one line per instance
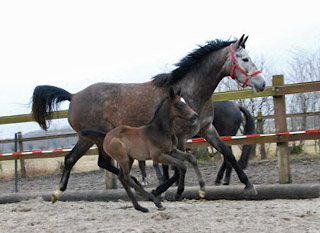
[194, 118]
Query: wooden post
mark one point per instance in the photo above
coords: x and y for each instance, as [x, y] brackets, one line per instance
[260, 131]
[281, 126]
[22, 162]
[16, 163]
[110, 178]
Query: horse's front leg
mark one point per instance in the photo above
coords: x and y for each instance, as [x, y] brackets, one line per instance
[178, 164]
[126, 167]
[213, 138]
[174, 179]
[193, 161]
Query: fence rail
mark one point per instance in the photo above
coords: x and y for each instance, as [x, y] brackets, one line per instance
[194, 143]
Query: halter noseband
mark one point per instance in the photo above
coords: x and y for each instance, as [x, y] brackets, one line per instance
[235, 65]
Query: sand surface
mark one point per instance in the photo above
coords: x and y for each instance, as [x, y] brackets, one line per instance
[184, 216]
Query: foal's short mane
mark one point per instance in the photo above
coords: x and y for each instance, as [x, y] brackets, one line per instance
[188, 62]
[156, 112]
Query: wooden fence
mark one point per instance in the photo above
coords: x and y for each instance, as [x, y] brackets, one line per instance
[278, 91]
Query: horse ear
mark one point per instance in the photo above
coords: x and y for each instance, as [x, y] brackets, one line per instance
[245, 40]
[239, 42]
[172, 95]
[179, 92]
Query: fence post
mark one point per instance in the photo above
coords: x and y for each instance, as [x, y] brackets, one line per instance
[110, 178]
[22, 162]
[281, 126]
[263, 153]
[16, 164]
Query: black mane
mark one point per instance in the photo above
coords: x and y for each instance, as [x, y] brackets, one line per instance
[188, 62]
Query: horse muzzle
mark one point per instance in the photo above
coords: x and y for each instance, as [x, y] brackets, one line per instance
[194, 119]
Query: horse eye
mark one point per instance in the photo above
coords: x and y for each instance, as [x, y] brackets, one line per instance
[180, 105]
[245, 59]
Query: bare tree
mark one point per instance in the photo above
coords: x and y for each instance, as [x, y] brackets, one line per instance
[304, 67]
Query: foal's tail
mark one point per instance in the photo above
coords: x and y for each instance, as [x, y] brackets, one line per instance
[45, 100]
[90, 132]
[249, 128]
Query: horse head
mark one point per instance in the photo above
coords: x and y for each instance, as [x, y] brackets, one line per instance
[180, 108]
[242, 68]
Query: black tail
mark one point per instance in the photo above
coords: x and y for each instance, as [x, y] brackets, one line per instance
[45, 100]
[89, 132]
[249, 128]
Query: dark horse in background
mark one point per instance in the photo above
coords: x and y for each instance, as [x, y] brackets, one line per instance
[227, 121]
[104, 106]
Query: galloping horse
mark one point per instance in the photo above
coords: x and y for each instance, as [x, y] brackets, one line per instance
[227, 121]
[104, 106]
[156, 140]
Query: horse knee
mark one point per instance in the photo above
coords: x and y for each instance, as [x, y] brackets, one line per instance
[192, 159]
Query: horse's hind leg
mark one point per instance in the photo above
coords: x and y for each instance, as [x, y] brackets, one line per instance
[158, 171]
[70, 160]
[227, 176]
[220, 173]
[104, 161]
[125, 181]
[140, 189]
[142, 166]
[224, 167]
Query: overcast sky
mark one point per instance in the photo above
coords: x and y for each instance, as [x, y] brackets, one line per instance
[72, 44]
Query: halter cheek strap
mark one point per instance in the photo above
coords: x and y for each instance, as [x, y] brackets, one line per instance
[235, 65]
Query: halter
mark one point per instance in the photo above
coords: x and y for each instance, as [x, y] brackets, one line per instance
[235, 65]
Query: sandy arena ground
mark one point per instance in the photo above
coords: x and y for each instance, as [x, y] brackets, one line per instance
[184, 216]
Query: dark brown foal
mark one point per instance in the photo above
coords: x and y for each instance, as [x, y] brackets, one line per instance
[155, 140]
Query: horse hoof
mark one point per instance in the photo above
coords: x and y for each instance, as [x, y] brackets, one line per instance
[226, 183]
[178, 197]
[250, 190]
[142, 209]
[202, 193]
[56, 195]
[160, 207]
[53, 198]
[145, 183]
[217, 183]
